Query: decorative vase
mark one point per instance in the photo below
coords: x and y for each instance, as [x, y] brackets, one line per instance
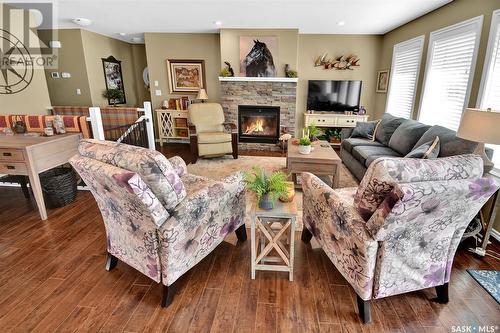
[19, 126]
[304, 150]
[265, 202]
[290, 188]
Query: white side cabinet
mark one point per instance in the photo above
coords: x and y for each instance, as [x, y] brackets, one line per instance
[333, 119]
[172, 124]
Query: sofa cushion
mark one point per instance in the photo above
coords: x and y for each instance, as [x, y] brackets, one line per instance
[153, 167]
[364, 129]
[214, 137]
[349, 144]
[427, 150]
[406, 135]
[361, 153]
[450, 144]
[386, 127]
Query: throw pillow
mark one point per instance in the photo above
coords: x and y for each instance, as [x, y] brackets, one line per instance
[427, 150]
[364, 129]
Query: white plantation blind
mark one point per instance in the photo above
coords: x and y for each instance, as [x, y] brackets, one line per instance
[405, 67]
[450, 68]
[489, 93]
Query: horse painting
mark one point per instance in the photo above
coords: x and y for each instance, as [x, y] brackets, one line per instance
[259, 61]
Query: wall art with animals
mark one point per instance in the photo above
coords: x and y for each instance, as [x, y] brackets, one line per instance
[258, 56]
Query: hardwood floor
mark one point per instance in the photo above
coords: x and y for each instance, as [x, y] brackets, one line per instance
[52, 279]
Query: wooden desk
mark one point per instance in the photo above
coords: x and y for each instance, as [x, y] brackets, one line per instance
[29, 156]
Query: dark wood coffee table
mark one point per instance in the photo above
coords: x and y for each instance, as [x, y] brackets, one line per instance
[323, 160]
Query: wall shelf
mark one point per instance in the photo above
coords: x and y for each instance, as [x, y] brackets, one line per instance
[257, 79]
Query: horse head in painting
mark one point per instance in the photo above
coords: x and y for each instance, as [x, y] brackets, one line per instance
[259, 61]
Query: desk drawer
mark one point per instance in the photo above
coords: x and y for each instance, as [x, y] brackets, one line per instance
[7, 154]
[13, 168]
[347, 122]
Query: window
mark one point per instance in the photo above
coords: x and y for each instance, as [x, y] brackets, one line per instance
[489, 91]
[450, 68]
[405, 66]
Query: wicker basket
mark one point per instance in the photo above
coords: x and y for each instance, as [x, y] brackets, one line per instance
[59, 186]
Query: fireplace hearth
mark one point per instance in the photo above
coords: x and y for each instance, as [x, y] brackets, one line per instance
[258, 123]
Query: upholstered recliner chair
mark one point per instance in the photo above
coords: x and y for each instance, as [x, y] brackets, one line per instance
[208, 133]
[159, 219]
[399, 230]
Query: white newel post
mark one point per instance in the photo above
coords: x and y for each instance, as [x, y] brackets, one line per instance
[96, 123]
[148, 113]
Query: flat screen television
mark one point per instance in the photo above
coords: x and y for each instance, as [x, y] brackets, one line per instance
[333, 95]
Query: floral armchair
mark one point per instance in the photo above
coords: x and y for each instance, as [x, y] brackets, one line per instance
[399, 230]
[159, 219]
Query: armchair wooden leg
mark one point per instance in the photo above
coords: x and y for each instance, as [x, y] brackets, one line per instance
[306, 235]
[241, 233]
[442, 294]
[234, 144]
[168, 295]
[364, 310]
[111, 262]
[193, 142]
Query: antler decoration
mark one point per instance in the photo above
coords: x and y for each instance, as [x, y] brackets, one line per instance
[341, 63]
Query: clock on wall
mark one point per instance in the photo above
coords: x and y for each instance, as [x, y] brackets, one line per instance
[16, 66]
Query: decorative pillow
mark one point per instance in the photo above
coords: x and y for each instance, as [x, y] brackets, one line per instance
[153, 167]
[427, 150]
[364, 129]
[386, 127]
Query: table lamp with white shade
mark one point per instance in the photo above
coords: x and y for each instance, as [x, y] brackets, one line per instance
[202, 95]
[482, 126]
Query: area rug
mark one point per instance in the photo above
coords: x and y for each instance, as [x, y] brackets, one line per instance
[220, 167]
[489, 280]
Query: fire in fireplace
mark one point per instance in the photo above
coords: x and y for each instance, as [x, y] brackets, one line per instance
[258, 123]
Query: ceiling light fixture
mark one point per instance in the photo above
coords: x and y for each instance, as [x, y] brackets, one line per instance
[340, 23]
[218, 23]
[82, 21]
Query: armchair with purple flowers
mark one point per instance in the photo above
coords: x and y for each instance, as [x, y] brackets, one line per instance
[159, 219]
[398, 231]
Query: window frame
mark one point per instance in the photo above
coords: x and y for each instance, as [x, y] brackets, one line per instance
[451, 30]
[403, 46]
[494, 27]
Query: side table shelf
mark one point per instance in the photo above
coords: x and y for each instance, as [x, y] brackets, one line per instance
[172, 124]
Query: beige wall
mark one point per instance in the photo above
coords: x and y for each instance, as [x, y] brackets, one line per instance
[287, 47]
[96, 47]
[455, 12]
[140, 62]
[163, 46]
[367, 47]
[35, 98]
[71, 60]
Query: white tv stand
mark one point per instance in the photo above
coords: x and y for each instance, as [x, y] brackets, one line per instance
[332, 119]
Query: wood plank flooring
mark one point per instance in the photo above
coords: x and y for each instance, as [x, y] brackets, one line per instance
[52, 279]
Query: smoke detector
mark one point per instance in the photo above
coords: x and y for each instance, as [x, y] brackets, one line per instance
[82, 21]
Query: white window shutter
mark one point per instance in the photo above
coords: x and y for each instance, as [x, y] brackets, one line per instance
[405, 67]
[450, 69]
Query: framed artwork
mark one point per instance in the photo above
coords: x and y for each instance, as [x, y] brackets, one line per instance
[113, 78]
[382, 81]
[258, 56]
[186, 76]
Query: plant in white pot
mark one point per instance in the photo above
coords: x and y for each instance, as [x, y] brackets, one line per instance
[305, 145]
[268, 188]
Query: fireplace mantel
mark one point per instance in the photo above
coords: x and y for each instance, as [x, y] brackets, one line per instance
[257, 79]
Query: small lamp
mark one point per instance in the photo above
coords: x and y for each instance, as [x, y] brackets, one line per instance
[481, 126]
[202, 95]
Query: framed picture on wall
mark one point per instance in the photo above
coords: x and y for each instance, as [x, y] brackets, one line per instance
[258, 56]
[113, 78]
[382, 81]
[186, 76]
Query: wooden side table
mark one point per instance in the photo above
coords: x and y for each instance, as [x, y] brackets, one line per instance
[172, 124]
[276, 230]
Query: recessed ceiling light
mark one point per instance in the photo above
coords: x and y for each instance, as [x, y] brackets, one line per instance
[123, 34]
[341, 23]
[218, 23]
[82, 21]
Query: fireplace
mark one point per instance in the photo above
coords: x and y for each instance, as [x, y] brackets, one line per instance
[258, 123]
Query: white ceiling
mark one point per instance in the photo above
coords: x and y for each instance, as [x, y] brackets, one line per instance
[134, 17]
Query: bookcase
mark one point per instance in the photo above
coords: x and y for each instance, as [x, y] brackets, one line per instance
[172, 125]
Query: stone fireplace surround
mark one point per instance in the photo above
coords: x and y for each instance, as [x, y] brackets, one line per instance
[259, 91]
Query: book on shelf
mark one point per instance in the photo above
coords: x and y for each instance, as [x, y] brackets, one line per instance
[181, 103]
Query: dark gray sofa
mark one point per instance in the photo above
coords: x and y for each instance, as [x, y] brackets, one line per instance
[396, 137]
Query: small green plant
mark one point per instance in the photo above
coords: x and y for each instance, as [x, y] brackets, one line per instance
[314, 132]
[291, 73]
[225, 72]
[274, 185]
[305, 141]
[113, 95]
[337, 134]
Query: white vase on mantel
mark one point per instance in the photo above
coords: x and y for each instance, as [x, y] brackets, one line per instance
[304, 150]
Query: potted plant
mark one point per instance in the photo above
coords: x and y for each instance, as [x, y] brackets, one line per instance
[268, 188]
[113, 95]
[314, 132]
[336, 136]
[305, 146]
